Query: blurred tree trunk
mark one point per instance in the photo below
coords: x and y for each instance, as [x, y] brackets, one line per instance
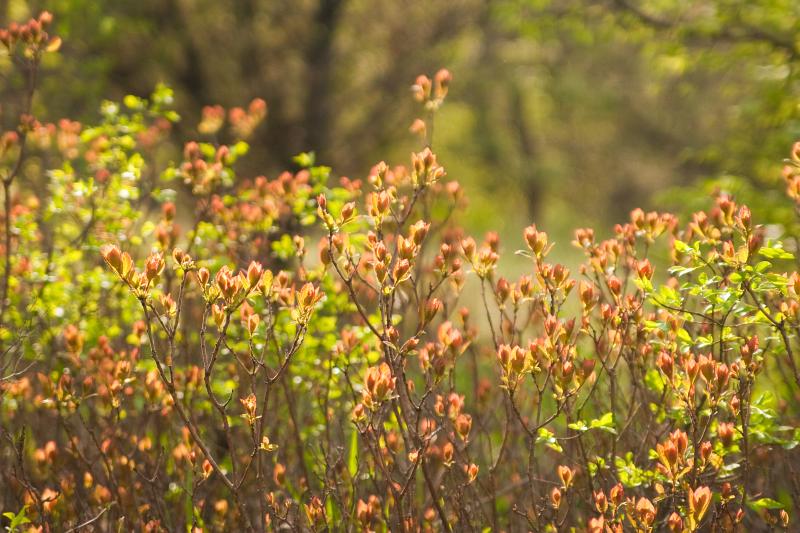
[526, 143]
[503, 127]
[320, 62]
[192, 76]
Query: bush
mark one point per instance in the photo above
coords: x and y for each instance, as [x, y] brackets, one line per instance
[222, 377]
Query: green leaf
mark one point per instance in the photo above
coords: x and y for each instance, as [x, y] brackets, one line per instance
[304, 160]
[775, 251]
[654, 381]
[605, 423]
[766, 503]
[549, 439]
[132, 102]
[580, 425]
[681, 246]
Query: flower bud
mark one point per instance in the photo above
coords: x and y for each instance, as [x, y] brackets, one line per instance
[254, 272]
[675, 523]
[555, 497]
[705, 450]
[154, 266]
[112, 255]
[725, 432]
[463, 425]
[566, 475]
[600, 502]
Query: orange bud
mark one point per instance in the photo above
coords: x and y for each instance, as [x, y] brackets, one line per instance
[555, 497]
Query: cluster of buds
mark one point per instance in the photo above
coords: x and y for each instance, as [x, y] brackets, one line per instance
[416, 234]
[514, 362]
[381, 260]
[250, 409]
[379, 205]
[451, 339]
[432, 93]
[666, 362]
[448, 263]
[726, 432]
[324, 215]
[607, 506]
[704, 228]
[715, 374]
[441, 355]
[648, 225]
[749, 351]
[182, 260]
[672, 454]
[233, 288]
[418, 127]
[122, 264]
[427, 170]
[203, 166]
[306, 299]
[379, 385]
[644, 270]
[284, 291]
[724, 213]
[32, 35]
[537, 242]
[73, 338]
[244, 121]
[229, 286]
[603, 256]
[212, 119]
[63, 136]
[368, 512]
[315, 512]
[483, 260]
[167, 231]
[68, 137]
[447, 454]
[555, 278]
[517, 292]
[584, 238]
[455, 403]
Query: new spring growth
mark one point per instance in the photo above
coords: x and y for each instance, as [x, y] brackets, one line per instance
[324, 215]
[699, 500]
[31, 37]
[514, 362]
[250, 406]
[379, 385]
[536, 241]
[432, 93]
[426, 170]
[307, 299]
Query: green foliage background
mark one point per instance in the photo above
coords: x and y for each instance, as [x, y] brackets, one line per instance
[568, 112]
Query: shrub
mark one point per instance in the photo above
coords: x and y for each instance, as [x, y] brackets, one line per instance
[222, 377]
